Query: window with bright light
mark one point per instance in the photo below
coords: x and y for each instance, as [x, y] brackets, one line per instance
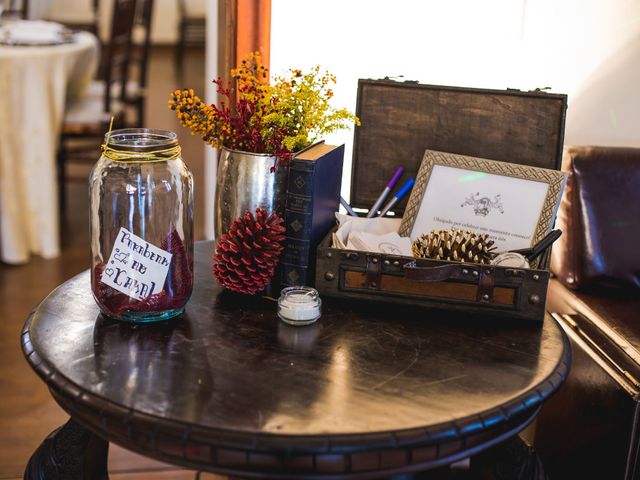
[524, 44]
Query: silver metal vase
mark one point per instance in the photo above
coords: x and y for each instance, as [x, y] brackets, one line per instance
[245, 182]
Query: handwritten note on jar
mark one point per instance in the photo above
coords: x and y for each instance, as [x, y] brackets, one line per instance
[136, 268]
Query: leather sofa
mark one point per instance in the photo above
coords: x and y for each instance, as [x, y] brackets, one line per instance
[591, 427]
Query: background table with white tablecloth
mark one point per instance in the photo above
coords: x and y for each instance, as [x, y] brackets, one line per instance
[35, 85]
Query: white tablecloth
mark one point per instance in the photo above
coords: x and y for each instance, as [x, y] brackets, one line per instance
[35, 85]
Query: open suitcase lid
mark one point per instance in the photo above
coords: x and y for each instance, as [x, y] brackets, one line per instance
[400, 120]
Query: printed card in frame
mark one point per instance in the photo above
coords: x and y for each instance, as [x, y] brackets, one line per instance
[515, 204]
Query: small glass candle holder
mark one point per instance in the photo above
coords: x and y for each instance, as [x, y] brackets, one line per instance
[510, 259]
[299, 305]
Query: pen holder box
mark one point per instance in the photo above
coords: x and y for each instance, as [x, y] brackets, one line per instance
[400, 120]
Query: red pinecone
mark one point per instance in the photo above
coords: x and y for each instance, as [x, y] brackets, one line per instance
[246, 256]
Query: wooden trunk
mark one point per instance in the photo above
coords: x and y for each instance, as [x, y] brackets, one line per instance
[400, 120]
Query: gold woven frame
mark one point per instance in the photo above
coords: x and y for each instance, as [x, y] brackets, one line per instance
[555, 179]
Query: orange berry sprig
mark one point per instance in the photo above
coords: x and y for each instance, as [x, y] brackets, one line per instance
[194, 114]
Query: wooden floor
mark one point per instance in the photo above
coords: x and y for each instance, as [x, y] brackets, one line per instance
[27, 412]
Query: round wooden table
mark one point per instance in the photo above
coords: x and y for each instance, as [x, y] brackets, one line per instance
[368, 391]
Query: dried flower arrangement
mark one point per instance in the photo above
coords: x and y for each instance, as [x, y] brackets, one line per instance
[278, 119]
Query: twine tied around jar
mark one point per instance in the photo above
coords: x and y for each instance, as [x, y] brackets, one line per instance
[126, 156]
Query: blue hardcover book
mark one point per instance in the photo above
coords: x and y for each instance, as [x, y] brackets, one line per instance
[313, 197]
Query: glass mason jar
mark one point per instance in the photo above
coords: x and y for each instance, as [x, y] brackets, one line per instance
[141, 226]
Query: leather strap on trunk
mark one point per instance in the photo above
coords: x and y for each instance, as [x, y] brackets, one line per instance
[430, 274]
[486, 282]
[374, 272]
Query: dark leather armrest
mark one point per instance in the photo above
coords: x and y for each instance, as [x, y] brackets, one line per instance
[600, 218]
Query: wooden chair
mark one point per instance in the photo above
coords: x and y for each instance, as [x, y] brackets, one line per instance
[92, 26]
[191, 32]
[17, 8]
[86, 21]
[87, 119]
[136, 91]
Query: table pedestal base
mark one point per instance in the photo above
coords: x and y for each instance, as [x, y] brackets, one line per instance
[509, 460]
[70, 452]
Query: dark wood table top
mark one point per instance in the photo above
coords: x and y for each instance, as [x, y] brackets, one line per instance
[230, 388]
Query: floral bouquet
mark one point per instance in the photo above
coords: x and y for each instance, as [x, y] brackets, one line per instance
[254, 115]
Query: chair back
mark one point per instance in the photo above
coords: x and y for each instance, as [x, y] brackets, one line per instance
[142, 22]
[118, 51]
[84, 19]
[192, 30]
[19, 8]
[91, 25]
[182, 8]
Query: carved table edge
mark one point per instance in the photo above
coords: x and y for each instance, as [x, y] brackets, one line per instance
[233, 452]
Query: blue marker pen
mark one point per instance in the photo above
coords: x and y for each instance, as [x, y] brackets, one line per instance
[401, 193]
[396, 176]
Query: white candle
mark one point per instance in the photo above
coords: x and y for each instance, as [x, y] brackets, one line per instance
[299, 305]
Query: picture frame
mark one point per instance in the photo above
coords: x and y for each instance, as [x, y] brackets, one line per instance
[515, 204]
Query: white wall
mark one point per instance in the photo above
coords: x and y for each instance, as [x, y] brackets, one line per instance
[594, 56]
[589, 49]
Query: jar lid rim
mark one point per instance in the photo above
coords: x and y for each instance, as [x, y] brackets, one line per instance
[140, 139]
